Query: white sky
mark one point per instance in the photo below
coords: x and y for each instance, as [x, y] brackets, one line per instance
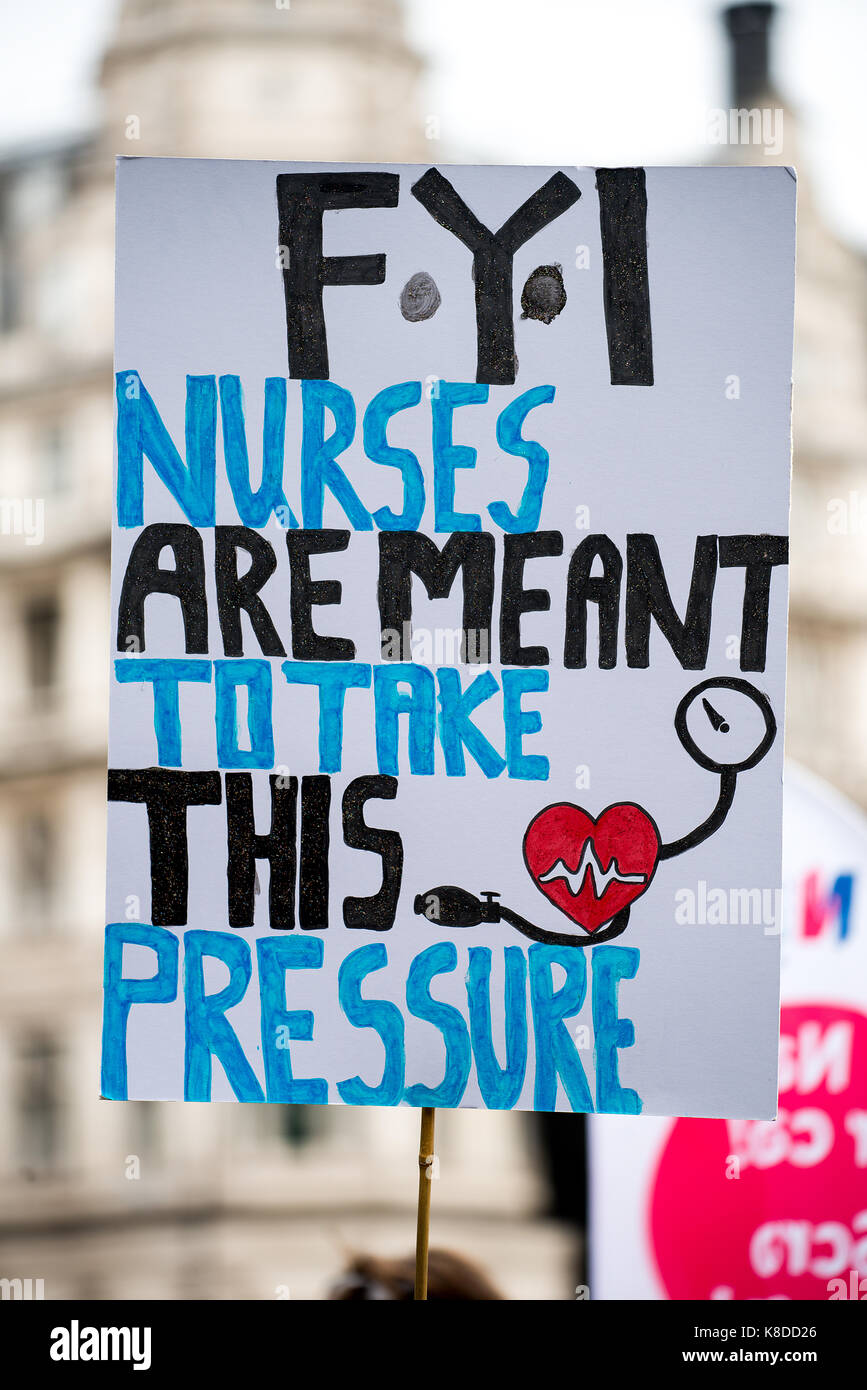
[536, 81]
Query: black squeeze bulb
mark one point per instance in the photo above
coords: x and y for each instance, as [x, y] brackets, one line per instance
[450, 907]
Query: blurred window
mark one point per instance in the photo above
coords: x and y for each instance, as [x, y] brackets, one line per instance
[41, 629]
[298, 1124]
[143, 1129]
[53, 461]
[37, 190]
[36, 868]
[9, 297]
[38, 1104]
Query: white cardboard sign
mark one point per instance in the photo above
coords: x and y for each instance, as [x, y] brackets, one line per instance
[449, 610]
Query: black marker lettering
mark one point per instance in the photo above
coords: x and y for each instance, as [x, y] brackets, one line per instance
[301, 201]
[493, 255]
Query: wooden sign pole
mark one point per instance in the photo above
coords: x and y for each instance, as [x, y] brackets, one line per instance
[425, 1174]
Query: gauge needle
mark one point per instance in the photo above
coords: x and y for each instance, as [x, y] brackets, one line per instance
[716, 719]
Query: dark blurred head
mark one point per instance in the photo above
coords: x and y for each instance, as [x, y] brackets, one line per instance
[450, 1277]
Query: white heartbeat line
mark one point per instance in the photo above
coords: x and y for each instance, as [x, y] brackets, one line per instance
[598, 875]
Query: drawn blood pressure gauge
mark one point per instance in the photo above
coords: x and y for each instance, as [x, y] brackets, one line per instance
[725, 724]
[593, 869]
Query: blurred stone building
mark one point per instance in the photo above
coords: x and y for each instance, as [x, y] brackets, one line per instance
[171, 1201]
[827, 690]
[178, 1201]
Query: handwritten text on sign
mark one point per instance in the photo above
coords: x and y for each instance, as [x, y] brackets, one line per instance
[299, 753]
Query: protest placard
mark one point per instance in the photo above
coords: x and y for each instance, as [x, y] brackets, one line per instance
[449, 623]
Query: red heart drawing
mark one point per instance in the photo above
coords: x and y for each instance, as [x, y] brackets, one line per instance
[591, 869]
